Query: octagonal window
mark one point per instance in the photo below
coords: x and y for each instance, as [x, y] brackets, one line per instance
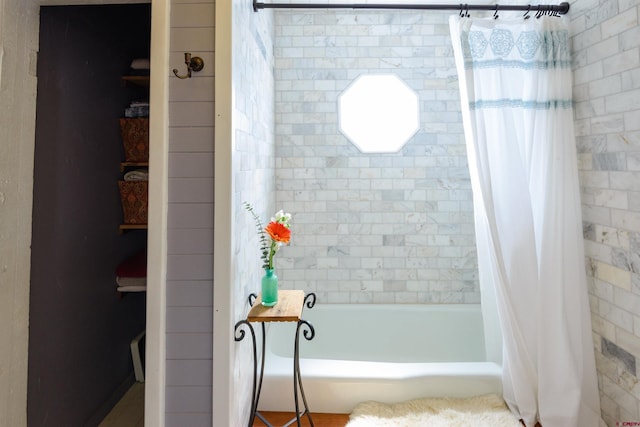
[378, 113]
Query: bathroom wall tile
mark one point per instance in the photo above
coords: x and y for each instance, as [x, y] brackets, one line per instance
[625, 259]
[630, 79]
[629, 39]
[619, 24]
[603, 327]
[627, 301]
[626, 403]
[625, 180]
[589, 72]
[600, 14]
[597, 214]
[601, 50]
[632, 121]
[634, 201]
[597, 251]
[628, 341]
[379, 190]
[612, 237]
[625, 219]
[623, 320]
[608, 124]
[613, 275]
[611, 198]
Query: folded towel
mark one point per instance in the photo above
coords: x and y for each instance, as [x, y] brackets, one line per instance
[132, 288]
[140, 64]
[137, 175]
[137, 111]
[127, 282]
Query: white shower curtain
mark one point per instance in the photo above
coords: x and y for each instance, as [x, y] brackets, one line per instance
[515, 84]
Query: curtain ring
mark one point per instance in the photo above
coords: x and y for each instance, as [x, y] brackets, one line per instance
[526, 14]
[495, 13]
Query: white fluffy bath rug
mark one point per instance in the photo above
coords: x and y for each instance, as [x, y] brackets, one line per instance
[480, 411]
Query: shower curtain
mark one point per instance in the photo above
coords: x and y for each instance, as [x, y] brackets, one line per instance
[515, 85]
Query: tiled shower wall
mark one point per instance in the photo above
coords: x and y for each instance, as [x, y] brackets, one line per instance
[380, 228]
[606, 55]
[253, 174]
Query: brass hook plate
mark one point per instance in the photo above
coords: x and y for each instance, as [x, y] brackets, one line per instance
[193, 64]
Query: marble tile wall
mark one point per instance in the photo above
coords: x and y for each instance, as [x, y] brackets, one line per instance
[606, 55]
[371, 228]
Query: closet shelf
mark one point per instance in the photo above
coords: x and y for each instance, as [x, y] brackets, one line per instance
[124, 165]
[124, 227]
[137, 80]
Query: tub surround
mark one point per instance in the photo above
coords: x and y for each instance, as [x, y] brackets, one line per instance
[382, 352]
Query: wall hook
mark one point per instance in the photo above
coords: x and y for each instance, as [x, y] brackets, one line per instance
[193, 64]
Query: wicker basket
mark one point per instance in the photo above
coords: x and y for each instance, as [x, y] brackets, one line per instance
[135, 138]
[134, 196]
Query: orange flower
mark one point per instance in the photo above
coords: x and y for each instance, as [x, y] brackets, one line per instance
[278, 232]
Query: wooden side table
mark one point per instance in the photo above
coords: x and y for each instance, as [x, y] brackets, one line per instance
[288, 309]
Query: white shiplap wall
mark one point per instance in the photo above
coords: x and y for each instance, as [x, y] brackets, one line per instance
[248, 147]
[190, 219]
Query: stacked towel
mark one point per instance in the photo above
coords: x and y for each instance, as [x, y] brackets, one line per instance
[131, 274]
[140, 64]
[140, 67]
[137, 109]
[137, 175]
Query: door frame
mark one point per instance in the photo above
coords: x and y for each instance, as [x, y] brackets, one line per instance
[155, 341]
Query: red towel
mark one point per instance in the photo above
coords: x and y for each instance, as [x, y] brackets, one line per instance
[135, 266]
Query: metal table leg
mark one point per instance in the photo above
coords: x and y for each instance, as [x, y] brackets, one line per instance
[297, 378]
[308, 333]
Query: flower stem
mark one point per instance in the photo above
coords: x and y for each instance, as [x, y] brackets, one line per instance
[272, 252]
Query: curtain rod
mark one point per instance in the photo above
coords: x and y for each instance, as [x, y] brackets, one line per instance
[561, 8]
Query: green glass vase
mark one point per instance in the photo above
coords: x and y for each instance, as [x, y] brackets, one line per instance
[269, 288]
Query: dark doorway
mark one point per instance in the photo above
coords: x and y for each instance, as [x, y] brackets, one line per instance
[80, 328]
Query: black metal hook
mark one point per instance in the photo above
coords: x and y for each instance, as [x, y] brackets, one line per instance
[526, 14]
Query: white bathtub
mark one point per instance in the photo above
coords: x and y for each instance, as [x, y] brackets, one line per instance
[389, 353]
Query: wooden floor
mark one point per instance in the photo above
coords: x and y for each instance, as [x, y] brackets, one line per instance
[319, 420]
[129, 411]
